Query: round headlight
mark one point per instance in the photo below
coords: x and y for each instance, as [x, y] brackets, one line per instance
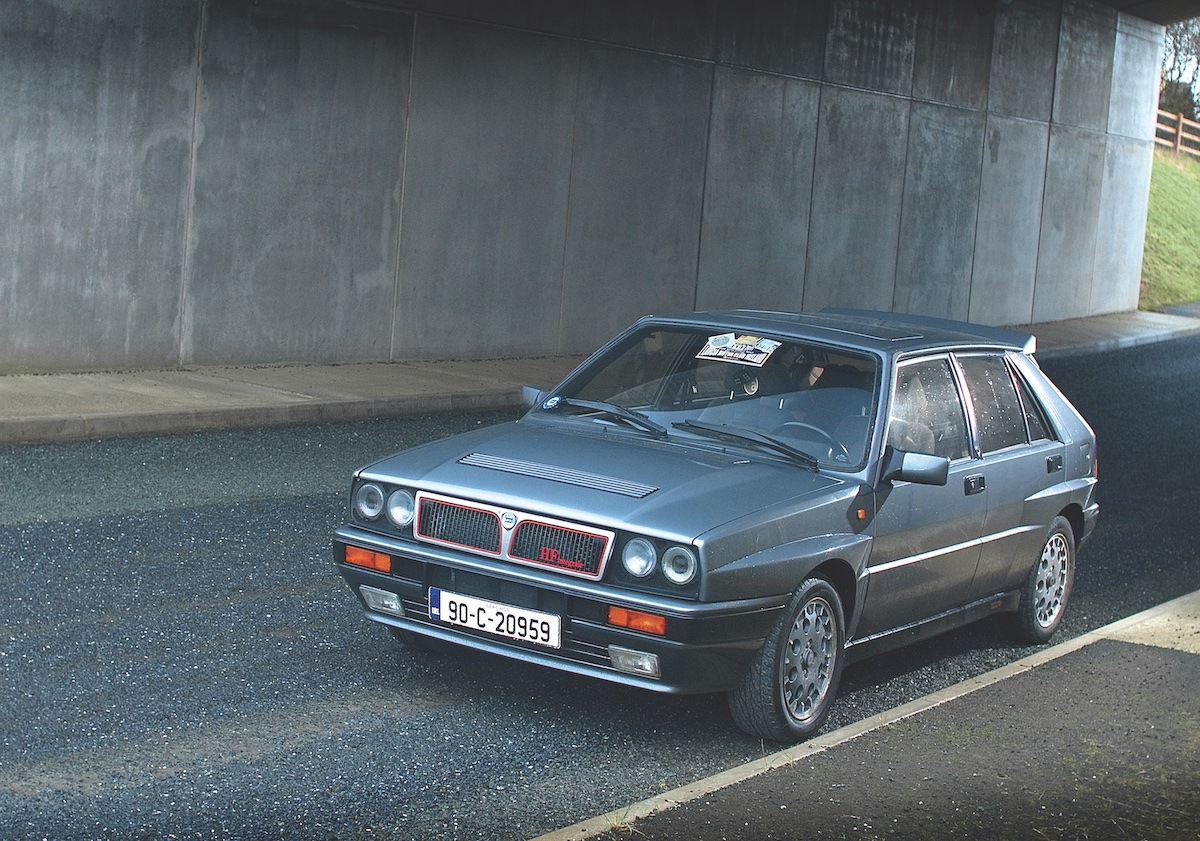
[639, 557]
[368, 501]
[401, 508]
[679, 565]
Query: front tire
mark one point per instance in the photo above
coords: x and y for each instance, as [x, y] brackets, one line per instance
[1047, 588]
[788, 691]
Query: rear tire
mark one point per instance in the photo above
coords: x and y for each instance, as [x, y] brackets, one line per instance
[788, 691]
[1047, 588]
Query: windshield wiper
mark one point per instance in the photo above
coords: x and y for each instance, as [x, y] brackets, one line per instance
[720, 430]
[613, 410]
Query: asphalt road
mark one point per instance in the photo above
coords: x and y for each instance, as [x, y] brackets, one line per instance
[178, 657]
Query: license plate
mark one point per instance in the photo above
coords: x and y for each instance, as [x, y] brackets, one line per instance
[503, 620]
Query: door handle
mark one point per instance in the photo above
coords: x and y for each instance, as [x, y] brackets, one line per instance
[1054, 464]
[974, 485]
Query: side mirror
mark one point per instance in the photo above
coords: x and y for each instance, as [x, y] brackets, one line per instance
[531, 396]
[918, 468]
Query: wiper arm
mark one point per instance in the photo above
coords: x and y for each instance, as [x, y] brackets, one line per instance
[720, 430]
[611, 409]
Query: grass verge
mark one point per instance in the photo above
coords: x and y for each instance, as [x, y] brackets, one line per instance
[1171, 262]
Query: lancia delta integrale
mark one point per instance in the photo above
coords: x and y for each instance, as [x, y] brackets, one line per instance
[740, 502]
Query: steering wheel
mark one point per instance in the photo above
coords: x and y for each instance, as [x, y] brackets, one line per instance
[836, 448]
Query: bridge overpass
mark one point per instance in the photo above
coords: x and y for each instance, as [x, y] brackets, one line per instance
[211, 182]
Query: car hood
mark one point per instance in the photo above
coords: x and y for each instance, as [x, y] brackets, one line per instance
[611, 477]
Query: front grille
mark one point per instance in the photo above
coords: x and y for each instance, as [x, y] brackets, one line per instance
[558, 547]
[524, 538]
[470, 528]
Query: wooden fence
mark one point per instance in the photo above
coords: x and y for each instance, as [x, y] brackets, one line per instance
[1178, 132]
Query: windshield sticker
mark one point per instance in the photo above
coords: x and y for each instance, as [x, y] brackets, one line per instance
[743, 350]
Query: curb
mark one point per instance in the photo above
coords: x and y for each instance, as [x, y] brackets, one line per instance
[1124, 342]
[623, 817]
[68, 428]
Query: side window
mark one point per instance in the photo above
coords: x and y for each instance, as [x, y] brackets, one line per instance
[998, 413]
[1038, 429]
[927, 415]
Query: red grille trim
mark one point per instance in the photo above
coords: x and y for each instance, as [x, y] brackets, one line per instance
[437, 523]
[566, 549]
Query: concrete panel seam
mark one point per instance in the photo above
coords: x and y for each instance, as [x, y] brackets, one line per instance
[396, 266]
[812, 191]
[183, 319]
[978, 213]
[712, 92]
[903, 197]
[566, 235]
[1037, 263]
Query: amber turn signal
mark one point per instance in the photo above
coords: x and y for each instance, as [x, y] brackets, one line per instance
[367, 558]
[635, 620]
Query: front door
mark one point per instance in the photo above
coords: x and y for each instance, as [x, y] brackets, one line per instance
[926, 547]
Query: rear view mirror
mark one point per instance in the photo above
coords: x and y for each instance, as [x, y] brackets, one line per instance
[918, 468]
[531, 396]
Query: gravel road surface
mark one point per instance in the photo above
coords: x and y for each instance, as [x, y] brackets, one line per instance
[178, 657]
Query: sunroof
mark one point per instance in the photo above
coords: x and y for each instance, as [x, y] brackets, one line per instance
[885, 331]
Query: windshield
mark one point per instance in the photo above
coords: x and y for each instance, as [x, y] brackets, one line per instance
[817, 399]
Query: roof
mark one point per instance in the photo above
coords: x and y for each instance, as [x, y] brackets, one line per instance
[884, 332]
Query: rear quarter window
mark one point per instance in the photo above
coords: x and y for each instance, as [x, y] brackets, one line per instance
[1035, 418]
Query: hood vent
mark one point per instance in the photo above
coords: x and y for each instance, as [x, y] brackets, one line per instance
[551, 473]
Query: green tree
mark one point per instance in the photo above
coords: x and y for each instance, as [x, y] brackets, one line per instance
[1181, 68]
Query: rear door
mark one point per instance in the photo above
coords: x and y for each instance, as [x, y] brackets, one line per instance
[1022, 464]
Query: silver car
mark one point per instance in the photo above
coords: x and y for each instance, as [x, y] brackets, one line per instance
[740, 502]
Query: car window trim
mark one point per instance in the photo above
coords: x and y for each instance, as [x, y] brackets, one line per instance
[1021, 383]
[963, 397]
[1004, 359]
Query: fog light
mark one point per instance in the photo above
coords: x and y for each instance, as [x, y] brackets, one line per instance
[634, 662]
[382, 601]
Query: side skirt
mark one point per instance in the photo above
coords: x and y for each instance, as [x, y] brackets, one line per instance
[934, 625]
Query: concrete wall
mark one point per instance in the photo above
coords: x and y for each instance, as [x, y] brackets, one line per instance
[223, 182]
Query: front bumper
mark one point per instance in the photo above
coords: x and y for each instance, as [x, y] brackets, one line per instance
[706, 648]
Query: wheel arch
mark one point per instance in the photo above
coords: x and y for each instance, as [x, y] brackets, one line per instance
[840, 574]
[780, 569]
[1073, 514]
